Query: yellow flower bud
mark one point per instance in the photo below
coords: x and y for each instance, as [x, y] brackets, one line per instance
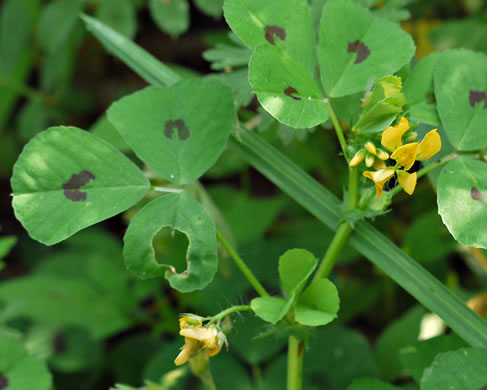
[369, 160]
[371, 148]
[358, 158]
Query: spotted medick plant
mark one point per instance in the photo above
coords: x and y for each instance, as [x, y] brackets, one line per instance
[350, 70]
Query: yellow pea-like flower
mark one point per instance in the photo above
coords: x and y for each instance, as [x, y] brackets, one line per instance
[407, 181]
[429, 146]
[406, 155]
[380, 178]
[392, 136]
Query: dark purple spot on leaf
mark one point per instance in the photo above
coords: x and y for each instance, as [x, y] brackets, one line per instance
[361, 49]
[479, 195]
[289, 91]
[475, 194]
[3, 381]
[272, 31]
[179, 125]
[430, 98]
[59, 342]
[72, 186]
[477, 97]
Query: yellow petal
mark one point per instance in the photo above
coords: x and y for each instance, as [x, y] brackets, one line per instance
[382, 155]
[214, 351]
[371, 148]
[358, 158]
[429, 146]
[187, 352]
[369, 160]
[408, 181]
[406, 155]
[392, 136]
[379, 164]
[206, 335]
[380, 178]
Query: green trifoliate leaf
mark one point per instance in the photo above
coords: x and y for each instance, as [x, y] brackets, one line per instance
[211, 7]
[285, 89]
[170, 130]
[419, 90]
[179, 212]
[66, 179]
[370, 384]
[295, 267]
[271, 309]
[64, 301]
[461, 95]
[171, 16]
[283, 23]
[19, 370]
[119, 15]
[465, 369]
[462, 200]
[381, 105]
[318, 305]
[355, 45]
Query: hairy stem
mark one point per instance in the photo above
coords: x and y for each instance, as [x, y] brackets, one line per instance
[228, 311]
[241, 265]
[338, 131]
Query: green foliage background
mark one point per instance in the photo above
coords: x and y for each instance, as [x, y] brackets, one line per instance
[72, 317]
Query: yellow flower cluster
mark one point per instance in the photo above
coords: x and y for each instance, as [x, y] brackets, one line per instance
[404, 154]
[198, 337]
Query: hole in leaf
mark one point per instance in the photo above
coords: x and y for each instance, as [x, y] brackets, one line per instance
[477, 97]
[361, 49]
[176, 130]
[72, 186]
[272, 31]
[170, 246]
[289, 91]
[3, 381]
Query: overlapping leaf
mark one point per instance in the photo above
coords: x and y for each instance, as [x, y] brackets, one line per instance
[67, 179]
[355, 45]
[462, 200]
[182, 213]
[461, 95]
[169, 128]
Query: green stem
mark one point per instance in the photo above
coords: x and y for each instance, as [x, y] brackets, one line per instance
[294, 364]
[228, 311]
[425, 170]
[241, 265]
[338, 131]
[333, 251]
[343, 231]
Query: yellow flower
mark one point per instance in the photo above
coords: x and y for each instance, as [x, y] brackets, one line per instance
[405, 155]
[188, 350]
[407, 180]
[189, 321]
[380, 178]
[197, 337]
[392, 136]
[358, 158]
[429, 146]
